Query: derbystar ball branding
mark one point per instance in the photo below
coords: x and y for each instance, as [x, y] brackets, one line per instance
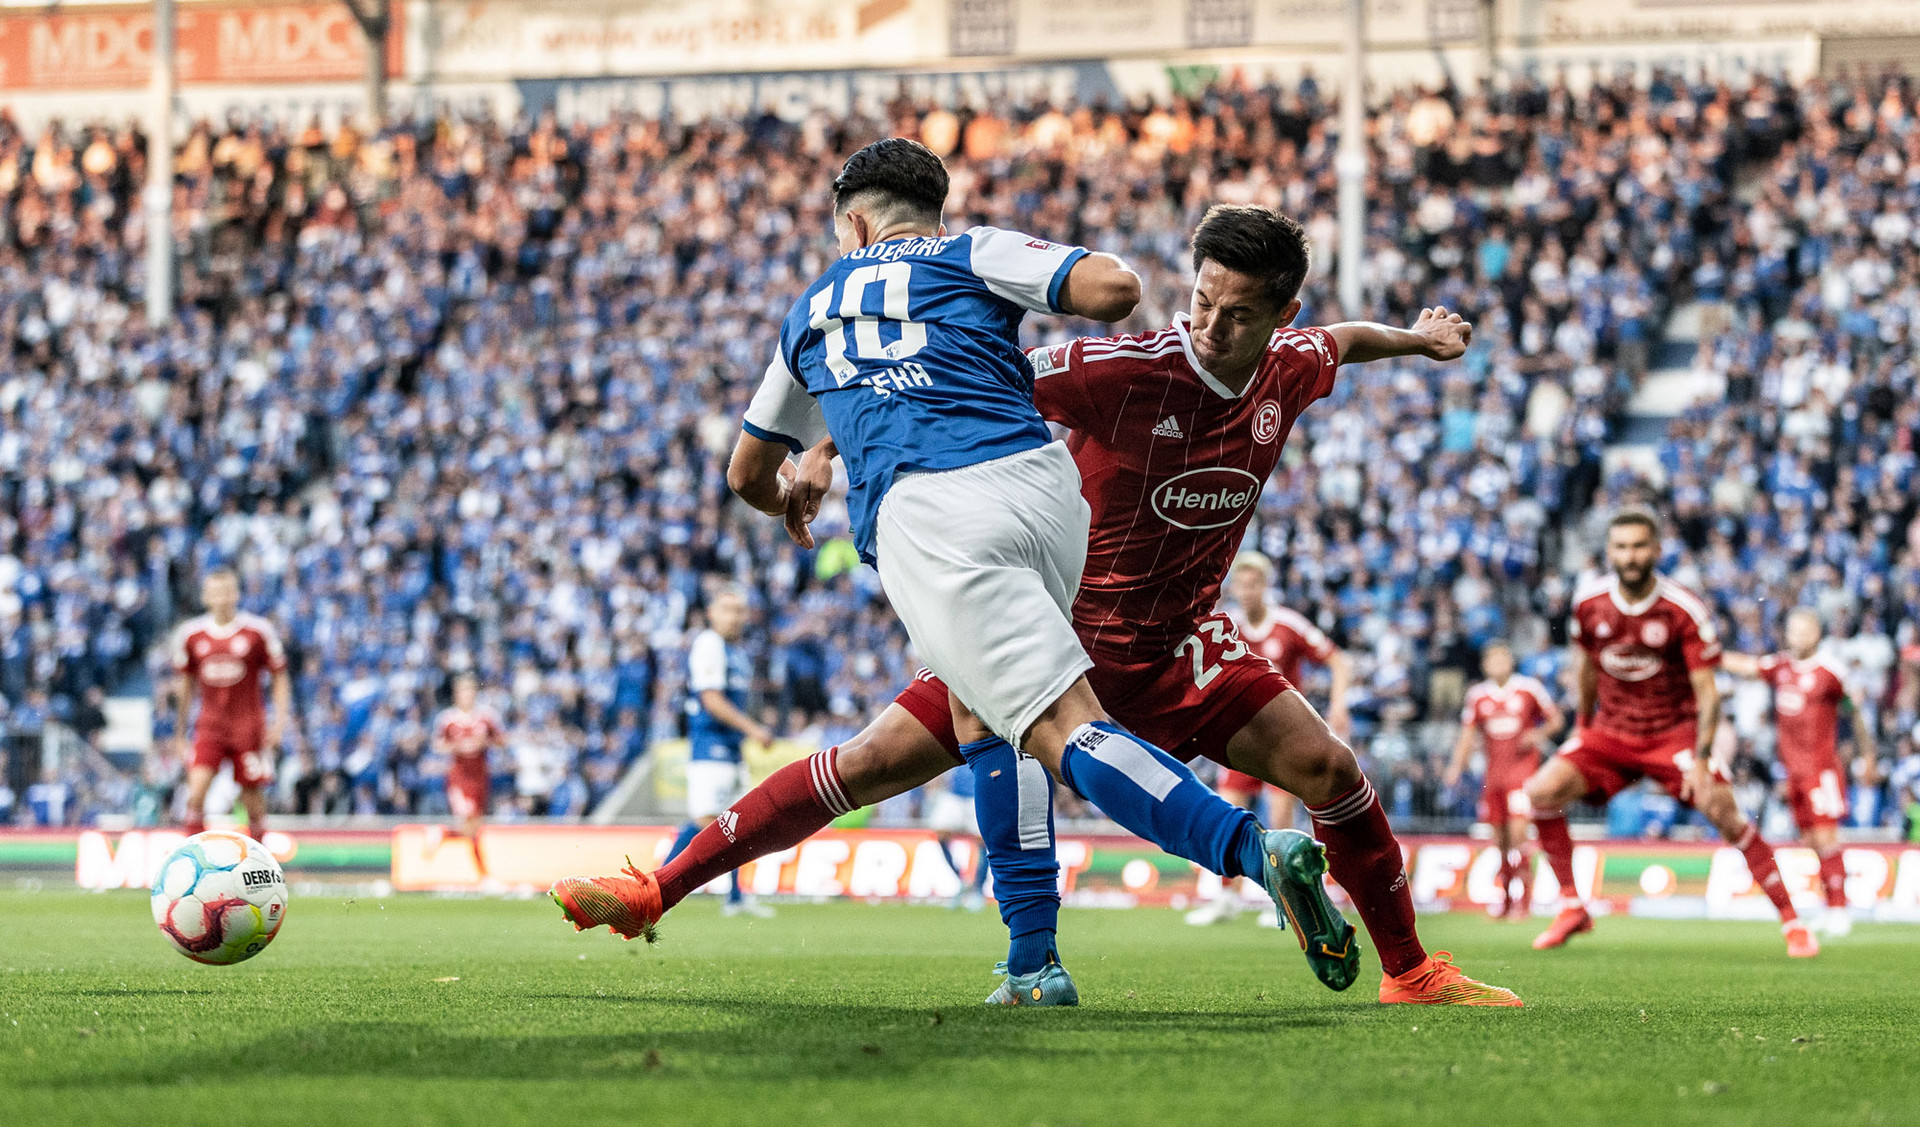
[1207, 498]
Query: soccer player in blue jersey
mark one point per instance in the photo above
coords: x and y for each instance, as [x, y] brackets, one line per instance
[719, 674]
[906, 352]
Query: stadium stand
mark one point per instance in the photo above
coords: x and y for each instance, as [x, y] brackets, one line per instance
[458, 395]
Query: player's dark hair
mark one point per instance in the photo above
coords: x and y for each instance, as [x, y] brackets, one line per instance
[223, 571]
[1496, 644]
[1634, 514]
[905, 174]
[1258, 242]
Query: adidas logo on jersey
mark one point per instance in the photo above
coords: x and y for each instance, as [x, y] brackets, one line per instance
[1169, 428]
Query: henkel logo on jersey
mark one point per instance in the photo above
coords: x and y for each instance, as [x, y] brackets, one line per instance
[1629, 663]
[1789, 701]
[1505, 726]
[1213, 497]
[222, 672]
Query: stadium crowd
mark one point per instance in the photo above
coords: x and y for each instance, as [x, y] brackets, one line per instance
[458, 395]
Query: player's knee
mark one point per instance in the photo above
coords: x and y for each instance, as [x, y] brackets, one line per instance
[1325, 768]
[1543, 793]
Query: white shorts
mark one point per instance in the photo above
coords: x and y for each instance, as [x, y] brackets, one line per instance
[712, 786]
[982, 565]
[948, 813]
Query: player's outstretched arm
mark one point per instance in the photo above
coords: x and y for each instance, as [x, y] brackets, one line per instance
[1864, 744]
[1437, 335]
[1100, 287]
[1462, 750]
[1740, 665]
[760, 474]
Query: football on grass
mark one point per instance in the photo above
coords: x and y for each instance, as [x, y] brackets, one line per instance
[220, 898]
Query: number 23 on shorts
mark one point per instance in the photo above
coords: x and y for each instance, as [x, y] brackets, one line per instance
[1226, 643]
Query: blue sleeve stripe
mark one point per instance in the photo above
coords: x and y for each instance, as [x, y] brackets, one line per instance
[765, 435]
[1060, 278]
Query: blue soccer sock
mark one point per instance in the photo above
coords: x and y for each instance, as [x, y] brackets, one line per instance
[1154, 795]
[1013, 799]
[733, 890]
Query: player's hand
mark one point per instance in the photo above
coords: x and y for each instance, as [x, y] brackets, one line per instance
[276, 733]
[1445, 335]
[1694, 783]
[1451, 779]
[810, 482]
[760, 734]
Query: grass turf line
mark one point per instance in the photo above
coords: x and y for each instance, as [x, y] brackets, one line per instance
[850, 1013]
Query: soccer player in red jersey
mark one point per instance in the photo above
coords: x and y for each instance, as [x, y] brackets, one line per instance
[1287, 639]
[466, 732]
[1174, 433]
[221, 656]
[1808, 690]
[1645, 657]
[1514, 718]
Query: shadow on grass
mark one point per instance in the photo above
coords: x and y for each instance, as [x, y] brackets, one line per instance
[712, 1037]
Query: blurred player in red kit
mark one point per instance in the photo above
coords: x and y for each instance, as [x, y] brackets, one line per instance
[221, 656]
[1645, 654]
[1288, 640]
[466, 732]
[1514, 718]
[1808, 689]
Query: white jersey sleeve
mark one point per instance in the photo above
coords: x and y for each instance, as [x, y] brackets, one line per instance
[707, 663]
[783, 412]
[1019, 268]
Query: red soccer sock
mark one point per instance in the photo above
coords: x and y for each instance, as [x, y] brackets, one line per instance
[1506, 876]
[795, 802]
[1766, 874]
[1364, 857]
[1557, 844]
[196, 824]
[257, 831]
[1833, 878]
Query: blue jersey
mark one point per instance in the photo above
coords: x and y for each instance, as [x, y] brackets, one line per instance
[714, 664]
[908, 353]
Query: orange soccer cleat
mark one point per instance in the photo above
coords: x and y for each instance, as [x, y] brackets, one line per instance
[1800, 941]
[629, 904]
[1437, 982]
[1570, 922]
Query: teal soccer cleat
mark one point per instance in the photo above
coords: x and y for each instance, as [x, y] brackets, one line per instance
[1051, 985]
[1294, 873]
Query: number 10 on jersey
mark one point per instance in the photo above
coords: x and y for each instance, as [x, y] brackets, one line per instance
[831, 317]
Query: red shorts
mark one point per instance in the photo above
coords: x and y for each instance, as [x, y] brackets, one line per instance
[1611, 762]
[1503, 797]
[1238, 782]
[468, 791]
[1819, 800]
[251, 767]
[1189, 701]
[926, 698]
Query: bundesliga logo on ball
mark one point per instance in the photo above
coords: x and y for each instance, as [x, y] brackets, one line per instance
[220, 898]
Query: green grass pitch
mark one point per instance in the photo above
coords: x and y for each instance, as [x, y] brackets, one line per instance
[417, 1010]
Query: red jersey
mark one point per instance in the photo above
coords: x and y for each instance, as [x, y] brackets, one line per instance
[1806, 709]
[1286, 638]
[1506, 715]
[1172, 464]
[1644, 653]
[468, 734]
[228, 661]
